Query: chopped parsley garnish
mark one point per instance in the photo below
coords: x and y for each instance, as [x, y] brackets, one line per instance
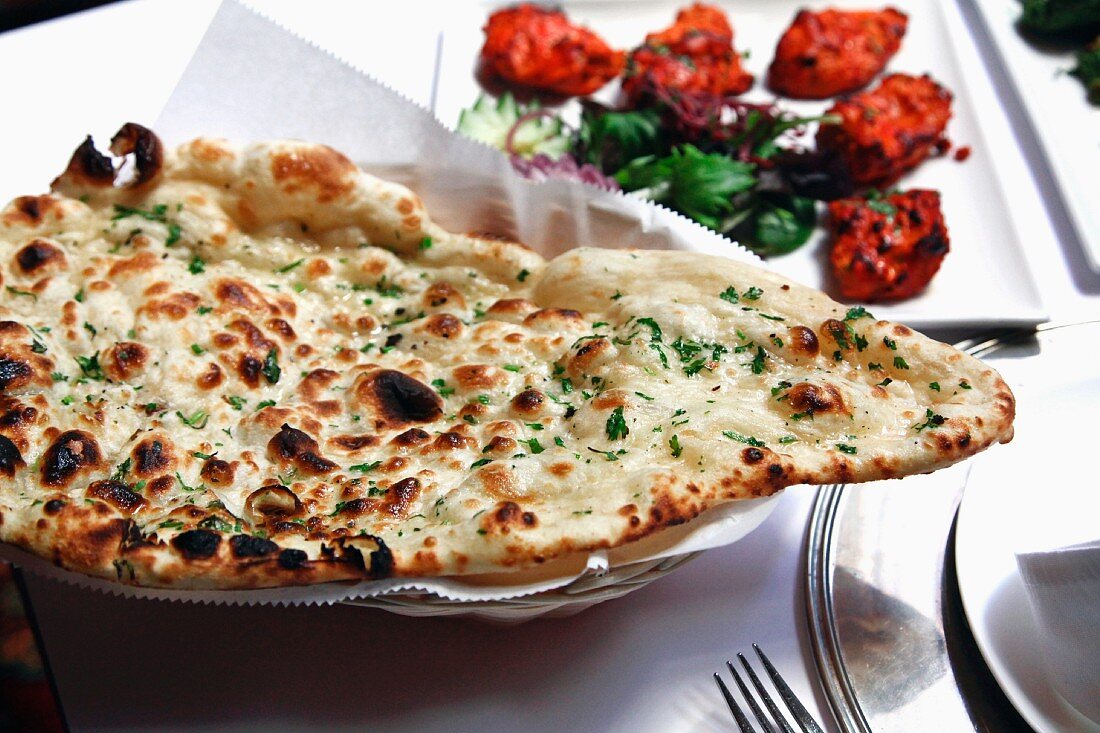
[899, 363]
[483, 399]
[157, 213]
[758, 360]
[746, 439]
[845, 448]
[963, 384]
[442, 388]
[931, 420]
[185, 487]
[265, 403]
[730, 295]
[203, 310]
[780, 387]
[934, 385]
[875, 367]
[481, 462]
[236, 402]
[174, 234]
[196, 421]
[566, 385]
[533, 444]
[884, 382]
[79, 297]
[512, 367]
[216, 523]
[197, 350]
[170, 524]
[425, 243]
[90, 367]
[38, 347]
[388, 289]
[674, 444]
[854, 314]
[365, 467]
[559, 442]
[523, 274]
[271, 370]
[890, 343]
[753, 293]
[121, 471]
[644, 396]
[609, 455]
[655, 333]
[287, 268]
[23, 293]
[197, 266]
[616, 425]
[617, 295]
[534, 425]
[203, 456]
[787, 439]
[661, 353]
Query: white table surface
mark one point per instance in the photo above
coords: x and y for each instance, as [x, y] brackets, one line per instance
[640, 663]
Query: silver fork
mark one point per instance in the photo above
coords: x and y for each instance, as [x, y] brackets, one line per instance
[798, 710]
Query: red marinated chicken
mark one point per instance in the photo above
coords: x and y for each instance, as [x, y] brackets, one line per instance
[694, 54]
[833, 52]
[539, 48]
[886, 131]
[887, 247]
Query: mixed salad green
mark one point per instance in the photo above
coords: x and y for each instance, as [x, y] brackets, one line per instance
[731, 166]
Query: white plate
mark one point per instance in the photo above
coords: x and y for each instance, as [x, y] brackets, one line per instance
[1015, 501]
[1066, 125]
[985, 278]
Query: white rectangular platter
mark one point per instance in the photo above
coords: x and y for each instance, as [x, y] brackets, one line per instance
[1066, 125]
[985, 278]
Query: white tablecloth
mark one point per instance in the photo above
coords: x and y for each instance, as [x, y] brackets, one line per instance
[641, 663]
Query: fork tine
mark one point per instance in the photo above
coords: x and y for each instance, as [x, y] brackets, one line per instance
[750, 700]
[738, 714]
[798, 710]
[780, 720]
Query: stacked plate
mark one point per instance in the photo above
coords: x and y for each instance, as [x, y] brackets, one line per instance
[897, 585]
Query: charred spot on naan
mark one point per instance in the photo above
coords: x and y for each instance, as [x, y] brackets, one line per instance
[39, 257]
[72, 453]
[21, 367]
[291, 447]
[125, 360]
[31, 212]
[391, 399]
[320, 170]
[11, 460]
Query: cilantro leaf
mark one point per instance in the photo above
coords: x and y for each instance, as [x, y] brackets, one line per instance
[699, 185]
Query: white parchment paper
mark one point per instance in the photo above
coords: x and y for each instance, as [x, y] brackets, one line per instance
[253, 80]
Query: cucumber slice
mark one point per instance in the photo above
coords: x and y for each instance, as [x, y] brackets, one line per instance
[490, 121]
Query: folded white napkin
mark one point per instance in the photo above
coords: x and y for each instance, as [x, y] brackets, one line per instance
[1063, 586]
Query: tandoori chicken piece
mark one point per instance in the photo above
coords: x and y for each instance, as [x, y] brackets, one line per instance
[694, 54]
[833, 52]
[888, 130]
[887, 247]
[539, 48]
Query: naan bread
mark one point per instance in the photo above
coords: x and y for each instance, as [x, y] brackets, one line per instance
[262, 366]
